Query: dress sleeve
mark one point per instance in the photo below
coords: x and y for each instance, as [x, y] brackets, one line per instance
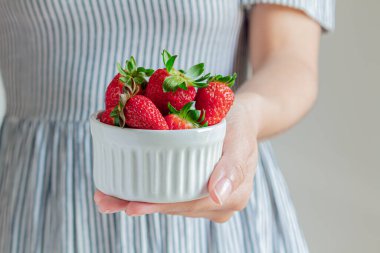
[322, 11]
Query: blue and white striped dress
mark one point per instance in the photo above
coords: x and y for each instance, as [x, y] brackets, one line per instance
[56, 58]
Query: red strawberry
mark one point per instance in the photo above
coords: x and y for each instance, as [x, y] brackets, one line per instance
[154, 89]
[216, 99]
[131, 79]
[110, 117]
[114, 89]
[140, 112]
[186, 118]
[172, 86]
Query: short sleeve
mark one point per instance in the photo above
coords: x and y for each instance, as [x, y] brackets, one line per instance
[322, 11]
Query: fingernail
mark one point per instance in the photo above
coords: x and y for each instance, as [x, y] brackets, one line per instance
[223, 190]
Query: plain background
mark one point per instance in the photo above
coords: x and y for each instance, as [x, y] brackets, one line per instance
[331, 159]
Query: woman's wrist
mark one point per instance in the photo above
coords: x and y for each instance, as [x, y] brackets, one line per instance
[248, 109]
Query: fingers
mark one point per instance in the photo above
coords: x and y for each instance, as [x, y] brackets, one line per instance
[99, 196]
[108, 204]
[194, 208]
[141, 208]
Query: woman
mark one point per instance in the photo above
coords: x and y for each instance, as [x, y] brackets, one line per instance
[56, 59]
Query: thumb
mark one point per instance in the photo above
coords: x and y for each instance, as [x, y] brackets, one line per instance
[228, 175]
[231, 170]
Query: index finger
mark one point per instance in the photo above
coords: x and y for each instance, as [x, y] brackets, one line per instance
[109, 204]
[141, 208]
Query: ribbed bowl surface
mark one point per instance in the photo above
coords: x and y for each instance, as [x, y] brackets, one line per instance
[154, 165]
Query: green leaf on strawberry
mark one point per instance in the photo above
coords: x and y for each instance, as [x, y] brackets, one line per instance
[117, 113]
[228, 80]
[148, 72]
[203, 78]
[172, 83]
[195, 71]
[180, 78]
[134, 78]
[131, 64]
[189, 114]
[123, 79]
[121, 70]
[168, 60]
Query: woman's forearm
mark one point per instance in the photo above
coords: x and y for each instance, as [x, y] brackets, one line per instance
[284, 45]
[279, 93]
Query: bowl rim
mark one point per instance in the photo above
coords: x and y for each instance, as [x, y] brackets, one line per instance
[96, 121]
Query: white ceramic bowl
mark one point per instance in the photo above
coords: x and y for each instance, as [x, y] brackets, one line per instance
[159, 166]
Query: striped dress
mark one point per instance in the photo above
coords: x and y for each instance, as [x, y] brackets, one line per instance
[56, 58]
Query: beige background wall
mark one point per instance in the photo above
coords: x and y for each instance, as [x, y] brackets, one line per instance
[332, 158]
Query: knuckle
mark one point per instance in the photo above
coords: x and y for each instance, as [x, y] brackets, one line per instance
[240, 170]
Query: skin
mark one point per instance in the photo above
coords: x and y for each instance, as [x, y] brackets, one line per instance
[284, 45]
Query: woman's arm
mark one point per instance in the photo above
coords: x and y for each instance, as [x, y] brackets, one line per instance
[284, 51]
[284, 47]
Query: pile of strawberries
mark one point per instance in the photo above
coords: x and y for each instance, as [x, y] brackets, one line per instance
[166, 98]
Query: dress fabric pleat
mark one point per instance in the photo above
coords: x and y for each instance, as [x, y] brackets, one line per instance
[56, 58]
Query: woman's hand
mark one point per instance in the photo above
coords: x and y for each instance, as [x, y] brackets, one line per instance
[230, 184]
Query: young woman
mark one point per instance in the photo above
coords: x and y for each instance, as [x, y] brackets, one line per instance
[57, 57]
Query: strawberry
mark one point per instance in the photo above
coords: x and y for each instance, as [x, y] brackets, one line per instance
[129, 79]
[176, 87]
[216, 99]
[186, 118]
[140, 112]
[110, 116]
[114, 89]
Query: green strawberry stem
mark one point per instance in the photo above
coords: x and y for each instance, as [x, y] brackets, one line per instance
[133, 77]
[117, 113]
[180, 78]
[228, 80]
[195, 117]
